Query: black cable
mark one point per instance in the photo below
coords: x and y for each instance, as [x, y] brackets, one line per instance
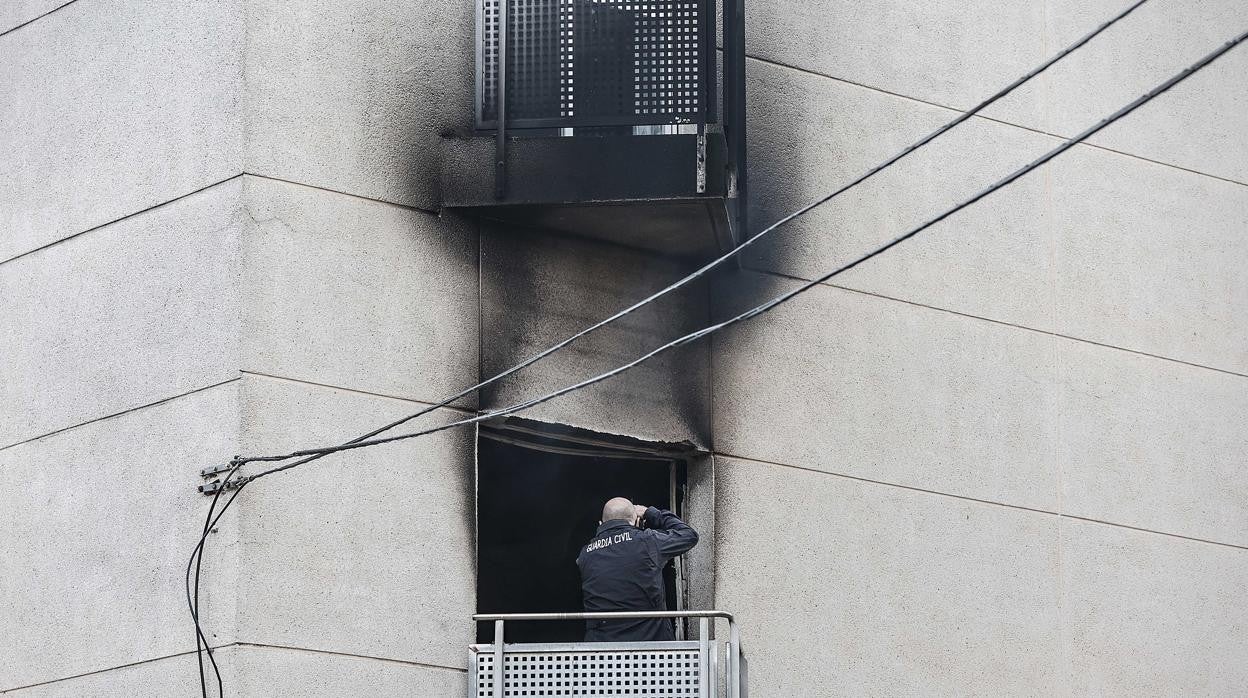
[758, 310]
[193, 602]
[739, 248]
[200, 640]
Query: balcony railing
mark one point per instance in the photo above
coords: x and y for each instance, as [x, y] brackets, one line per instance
[680, 669]
[579, 63]
[615, 120]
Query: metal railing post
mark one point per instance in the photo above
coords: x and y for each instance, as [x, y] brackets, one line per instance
[704, 652]
[500, 670]
[734, 654]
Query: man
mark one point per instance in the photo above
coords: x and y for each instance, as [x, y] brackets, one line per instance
[622, 569]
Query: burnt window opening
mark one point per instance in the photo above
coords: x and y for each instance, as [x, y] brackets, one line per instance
[540, 491]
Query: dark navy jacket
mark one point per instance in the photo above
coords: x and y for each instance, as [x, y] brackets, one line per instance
[622, 570]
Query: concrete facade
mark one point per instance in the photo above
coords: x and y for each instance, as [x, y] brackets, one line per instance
[1004, 458]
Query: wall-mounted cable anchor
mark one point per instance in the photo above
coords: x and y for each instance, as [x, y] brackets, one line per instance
[212, 470]
[210, 487]
[215, 469]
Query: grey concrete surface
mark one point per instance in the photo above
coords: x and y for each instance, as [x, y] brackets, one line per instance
[955, 54]
[948, 52]
[1147, 615]
[368, 553]
[18, 12]
[539, 290]
[163, 676]
[699, 512]
[852, 384]
[358, 294]
[268, 672]
[135, 312]
[354, 96]
[1151, 443]
[850, 588]
[99, 522]
[1198, 125]
[1150, 258]
[835, 132]
[1156, 273]
[111, 107]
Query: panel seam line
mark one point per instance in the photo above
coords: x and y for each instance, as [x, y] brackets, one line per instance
[978, 500]
[1031, 129]
[94, 228]
[121, 413]
[357, 391]
[1005, 323]
[405, 662]
[113, 668]
[32, 20]
[408, 207]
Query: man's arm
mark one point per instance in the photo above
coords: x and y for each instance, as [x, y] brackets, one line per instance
[672, 535]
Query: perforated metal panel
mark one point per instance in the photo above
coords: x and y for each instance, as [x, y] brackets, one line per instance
[650, 672]
[598, 62]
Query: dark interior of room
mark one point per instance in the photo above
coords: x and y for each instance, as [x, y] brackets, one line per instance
[535, 510]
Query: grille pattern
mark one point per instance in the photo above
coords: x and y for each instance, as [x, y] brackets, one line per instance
[649, 673]
[597, 62]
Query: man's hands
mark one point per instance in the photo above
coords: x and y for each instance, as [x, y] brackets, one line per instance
[639, 512]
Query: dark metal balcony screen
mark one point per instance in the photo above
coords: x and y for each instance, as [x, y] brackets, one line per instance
[598, 62]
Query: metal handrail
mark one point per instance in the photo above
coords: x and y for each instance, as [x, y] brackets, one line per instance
[603, 615]
[734, 637]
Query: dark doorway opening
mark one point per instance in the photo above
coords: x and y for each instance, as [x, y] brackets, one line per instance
[539, 499]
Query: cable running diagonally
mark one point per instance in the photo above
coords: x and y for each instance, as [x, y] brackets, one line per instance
[753, 312]
[702, 271]
[228, 481]
[211, 521]
[759, 310]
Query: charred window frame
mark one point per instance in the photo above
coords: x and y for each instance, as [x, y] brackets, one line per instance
[539, 492]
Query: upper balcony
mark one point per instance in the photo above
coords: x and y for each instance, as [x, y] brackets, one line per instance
[607, 119]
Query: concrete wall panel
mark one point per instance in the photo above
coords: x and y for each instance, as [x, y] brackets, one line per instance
[1095, 245]
[849, 588]
[99, 523]
[111, 107]
[1150, 615]
[847, 383]
[354, 97]
[539, 290]
[1150, 258]
[166, 676]
[955, 54]
[367, 553]
[18, 12]
[809, 136]
[270, 672]
[1198, 125]
[948, 52]
[1153, 444]
[135, 312]
[358, 294]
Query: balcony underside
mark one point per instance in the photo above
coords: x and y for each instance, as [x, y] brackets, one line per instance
[638, 191]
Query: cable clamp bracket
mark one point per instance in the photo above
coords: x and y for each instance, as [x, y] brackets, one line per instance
[216, 469]
[213, 470]
[211, 487]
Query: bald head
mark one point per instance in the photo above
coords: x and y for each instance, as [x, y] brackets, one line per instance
[618, 508]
